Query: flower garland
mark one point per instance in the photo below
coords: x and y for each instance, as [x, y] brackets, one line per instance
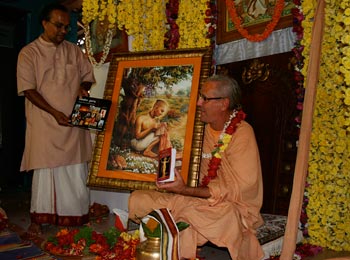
[106, 46]
[172, 36]
[192, 28]
[244, 32]
[144, 20]
[225, 138]
[102, 11]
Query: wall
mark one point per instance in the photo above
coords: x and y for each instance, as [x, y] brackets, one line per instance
[33, 8]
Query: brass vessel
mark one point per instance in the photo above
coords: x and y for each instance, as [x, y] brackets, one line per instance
[148, 249]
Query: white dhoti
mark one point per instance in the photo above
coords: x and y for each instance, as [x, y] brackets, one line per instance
[60, 195]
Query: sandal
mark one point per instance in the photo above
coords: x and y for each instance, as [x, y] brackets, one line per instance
[97, 210]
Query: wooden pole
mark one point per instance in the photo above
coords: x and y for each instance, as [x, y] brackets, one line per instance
[301, 167]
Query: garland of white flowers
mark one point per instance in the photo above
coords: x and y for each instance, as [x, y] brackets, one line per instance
[103, 11]
[222, 134]
[106, 46]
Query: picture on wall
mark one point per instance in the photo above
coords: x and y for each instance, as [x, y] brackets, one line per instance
[254, 15]
[154, 96]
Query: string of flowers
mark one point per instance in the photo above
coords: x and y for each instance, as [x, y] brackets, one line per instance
[102, 11]
[144, 20]
[224, 139]
[329, 162]
[193, 31]
[172, 35]
[268, 29]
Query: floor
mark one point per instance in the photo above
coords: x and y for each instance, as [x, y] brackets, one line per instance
[16, 203]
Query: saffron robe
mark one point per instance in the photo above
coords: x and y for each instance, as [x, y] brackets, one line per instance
[230, 216]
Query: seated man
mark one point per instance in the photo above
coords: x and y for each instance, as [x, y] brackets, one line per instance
[148, 129]
[225, 208]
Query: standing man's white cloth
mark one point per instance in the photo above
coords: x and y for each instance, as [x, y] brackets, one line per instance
[50, 199]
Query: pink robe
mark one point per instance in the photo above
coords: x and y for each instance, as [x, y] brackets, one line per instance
[230, 216]
[56, 73]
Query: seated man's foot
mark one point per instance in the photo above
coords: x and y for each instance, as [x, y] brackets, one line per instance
[150, 154]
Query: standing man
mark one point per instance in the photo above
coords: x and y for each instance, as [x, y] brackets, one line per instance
[225, 208]
[51, 74]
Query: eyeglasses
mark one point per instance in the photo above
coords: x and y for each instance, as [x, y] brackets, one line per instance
[60, 26]
[206, 99]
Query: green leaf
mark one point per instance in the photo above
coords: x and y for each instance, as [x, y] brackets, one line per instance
[182, 225]
[111, 236]
[86, 233]
[157, 231]
[53, 239]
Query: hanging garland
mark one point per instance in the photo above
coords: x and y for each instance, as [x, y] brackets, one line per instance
[106, 46]
[172, 36]
[192, 28]
[244, 32]
[103, 11]
[144, 21]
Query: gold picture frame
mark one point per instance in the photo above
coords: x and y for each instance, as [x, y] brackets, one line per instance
[226, 31]
[134, 82]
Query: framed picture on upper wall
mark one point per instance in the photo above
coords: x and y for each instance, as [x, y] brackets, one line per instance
[254, 15]
[154, 106]
[98, 34]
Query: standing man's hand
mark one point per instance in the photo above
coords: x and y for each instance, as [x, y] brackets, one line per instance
[37, 99]
[61, 118]
[84, 90]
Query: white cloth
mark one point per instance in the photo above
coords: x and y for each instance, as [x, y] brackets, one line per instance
[61, 191]
[279, 41]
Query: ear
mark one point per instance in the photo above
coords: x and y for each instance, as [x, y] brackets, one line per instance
[225, 104]
[44, 23]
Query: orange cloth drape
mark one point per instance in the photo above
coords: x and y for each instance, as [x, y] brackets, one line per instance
[301, 166]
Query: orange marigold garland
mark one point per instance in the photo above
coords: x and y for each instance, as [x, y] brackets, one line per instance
[268, 29]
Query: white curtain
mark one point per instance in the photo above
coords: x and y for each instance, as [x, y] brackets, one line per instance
[278, 42]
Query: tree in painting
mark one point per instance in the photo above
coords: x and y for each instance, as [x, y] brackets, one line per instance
[140, 87]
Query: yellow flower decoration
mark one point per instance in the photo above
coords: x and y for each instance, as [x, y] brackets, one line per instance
[329, 166]
[144, 20]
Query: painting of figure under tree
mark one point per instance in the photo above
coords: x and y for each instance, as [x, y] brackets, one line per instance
[152, 115]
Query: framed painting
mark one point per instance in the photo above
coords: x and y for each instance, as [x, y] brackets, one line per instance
[154, 106]
[98, 32]
[255, 15]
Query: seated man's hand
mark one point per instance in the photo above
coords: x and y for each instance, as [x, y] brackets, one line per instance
[177, 186]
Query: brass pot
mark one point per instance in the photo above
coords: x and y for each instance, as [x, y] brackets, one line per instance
[148, 249]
